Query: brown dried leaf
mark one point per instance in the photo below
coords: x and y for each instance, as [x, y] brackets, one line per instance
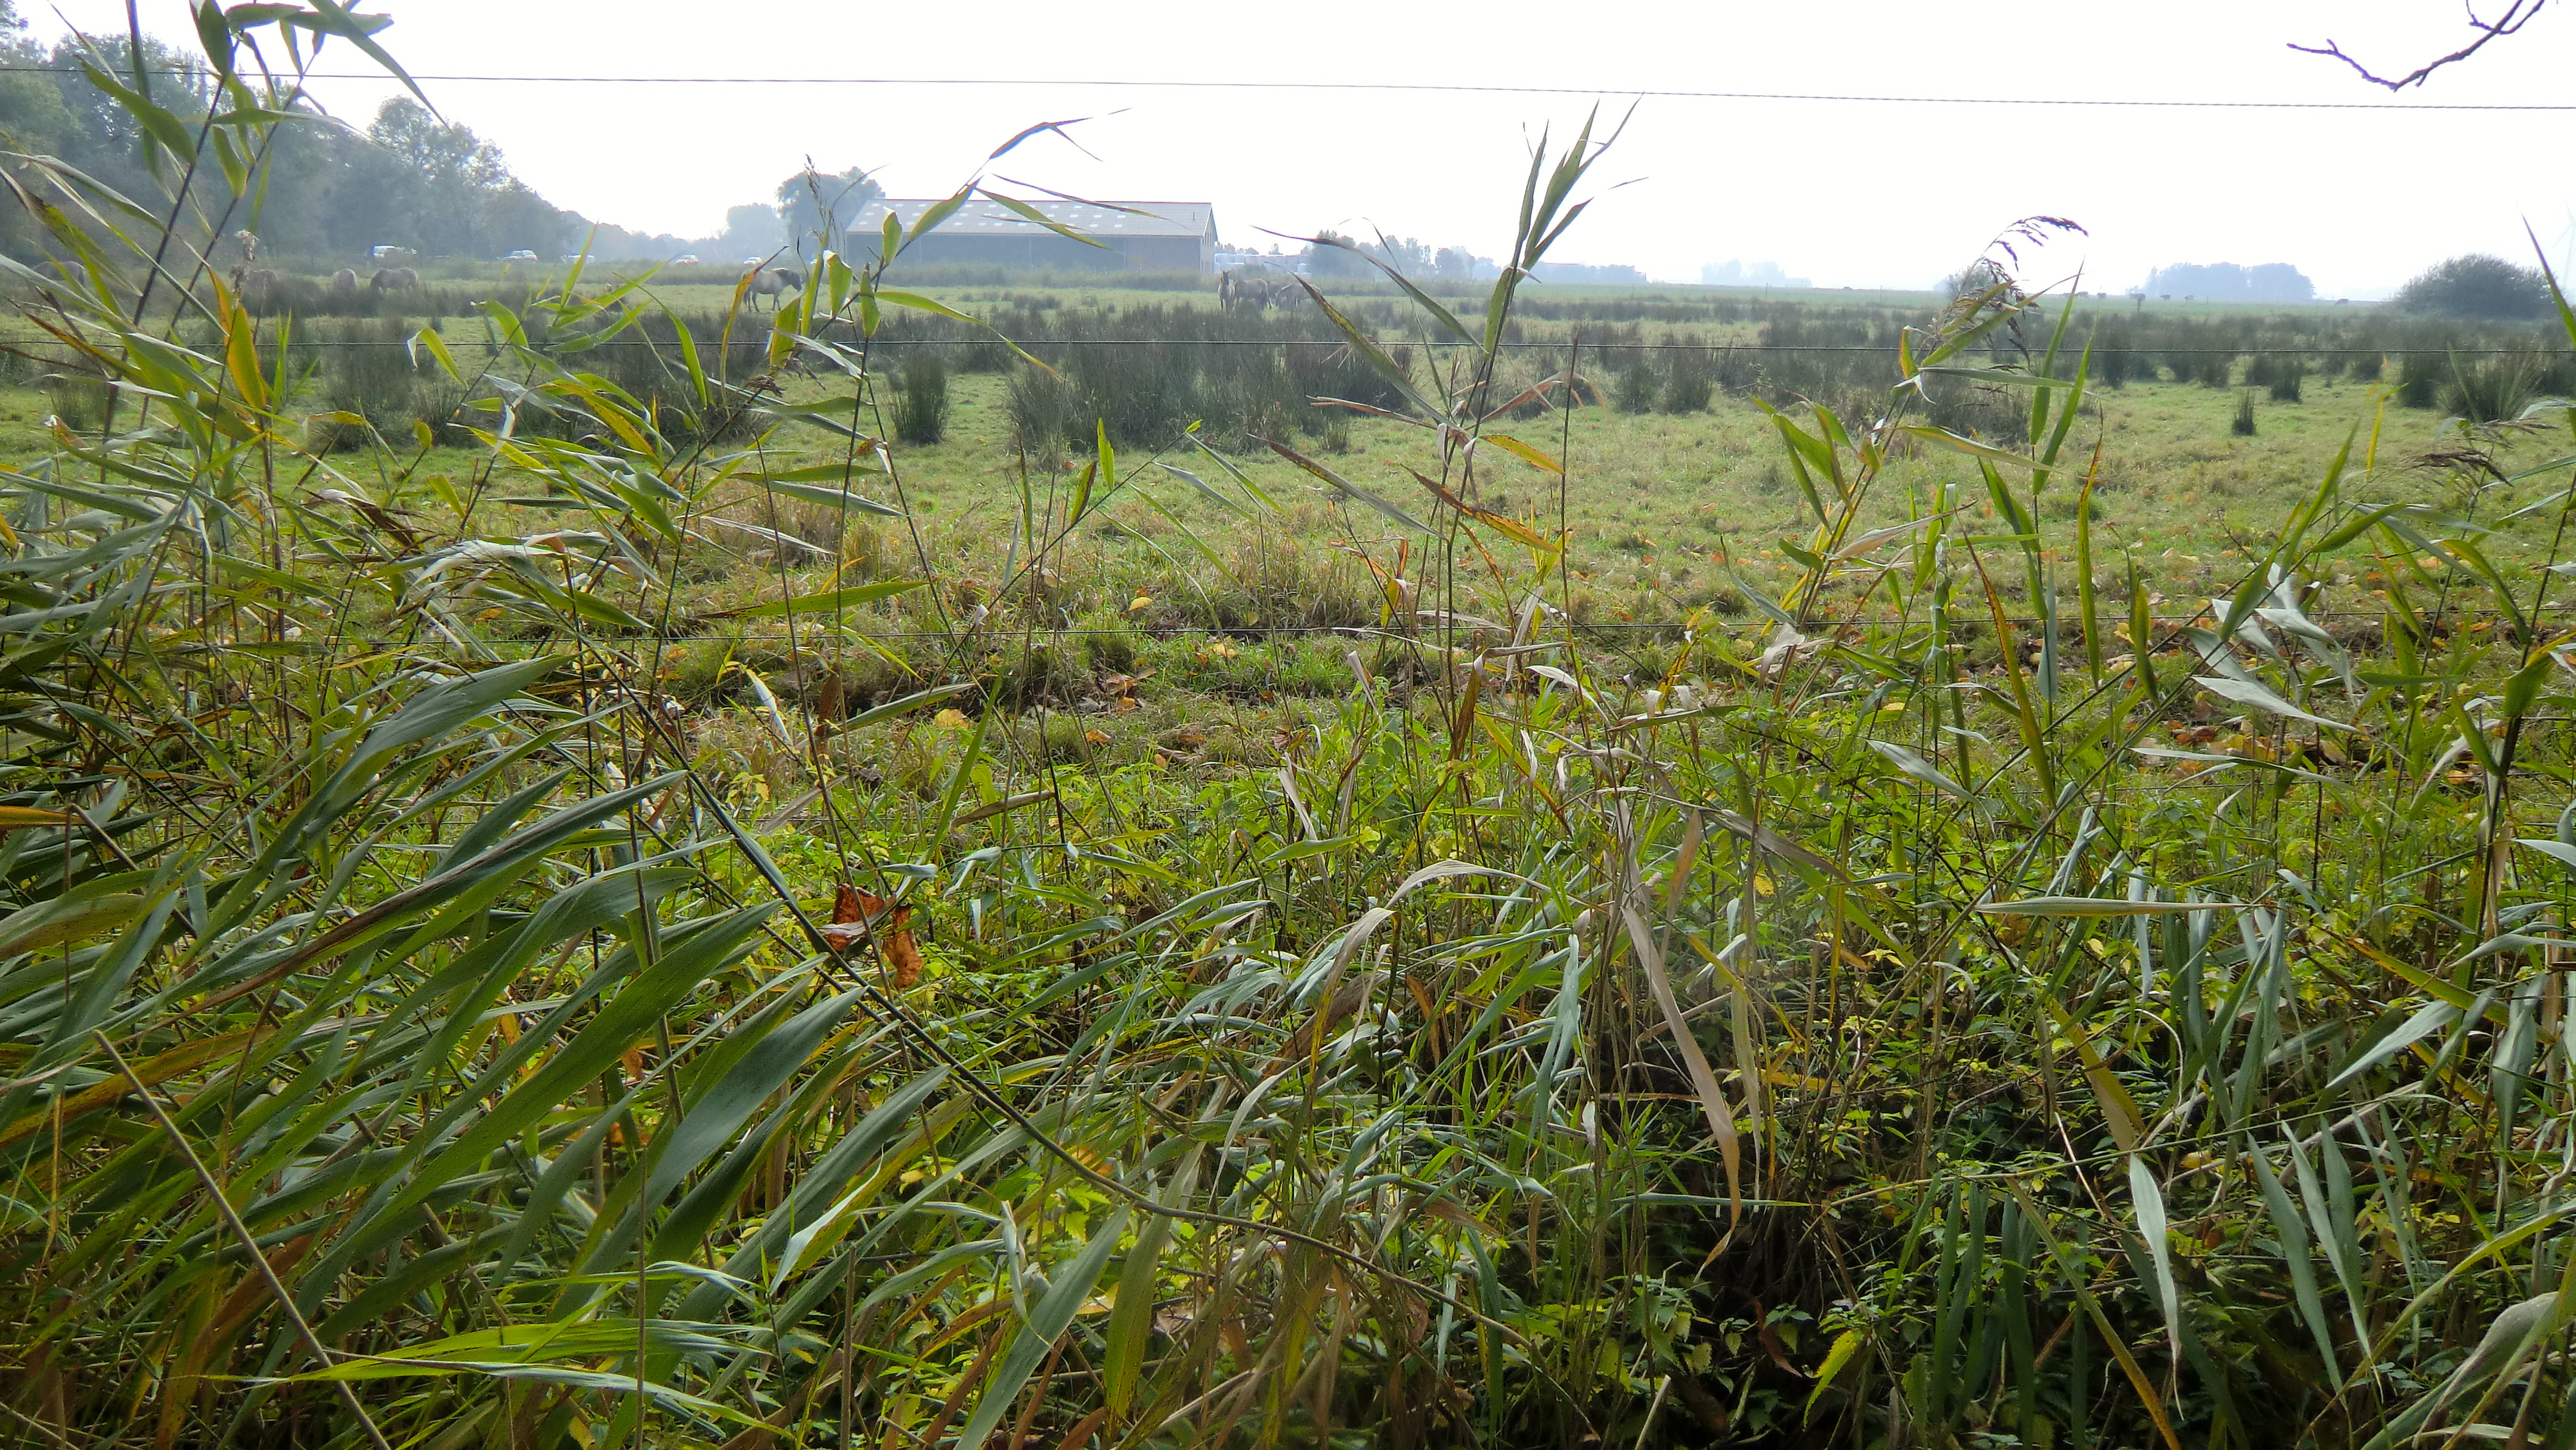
[858, 916]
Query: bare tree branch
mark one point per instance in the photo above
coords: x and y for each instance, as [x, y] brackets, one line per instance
[2518, 14]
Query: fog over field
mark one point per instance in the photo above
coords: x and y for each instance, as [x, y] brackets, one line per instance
[1835, 191]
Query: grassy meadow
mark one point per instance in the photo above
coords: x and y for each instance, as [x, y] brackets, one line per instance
[966, 869]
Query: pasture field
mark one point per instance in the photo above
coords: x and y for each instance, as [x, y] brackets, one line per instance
[1666, 512]
[567, 883]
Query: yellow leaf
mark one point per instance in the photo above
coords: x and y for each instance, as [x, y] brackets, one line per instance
[1846, 1346]
[950, 719]
[1525, 453]
[241, 356]
[13, 817]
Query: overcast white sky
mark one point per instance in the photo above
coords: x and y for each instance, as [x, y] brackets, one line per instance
[1848, 194]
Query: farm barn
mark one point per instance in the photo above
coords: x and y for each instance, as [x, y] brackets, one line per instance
[1152, 236]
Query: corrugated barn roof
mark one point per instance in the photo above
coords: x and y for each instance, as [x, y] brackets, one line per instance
[1105, 220]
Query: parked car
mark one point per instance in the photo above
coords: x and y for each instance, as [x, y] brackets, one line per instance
[521, 255]
[385, 251]
[685, 259]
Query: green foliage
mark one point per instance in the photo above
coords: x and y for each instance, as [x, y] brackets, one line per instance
[78, 398]
[1887, 1020]
[921, 409]
[2282, 374]
[2420, 378]
[2490, 389]
[1688, 380]
[1042, 412]
[818, 208]
[2477, 286]
[1637, 386]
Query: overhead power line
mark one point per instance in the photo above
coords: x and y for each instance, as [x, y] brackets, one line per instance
[1415, 87]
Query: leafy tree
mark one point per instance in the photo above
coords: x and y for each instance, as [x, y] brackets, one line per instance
[751, 231]
[33, 116]
[806, 197]
[1331, 261]
[433, 177]
[1457, 264]
[2477, 285]
[413, 181]
[514, 216]
[102, 137]
[2228, 282]
[1404, 254]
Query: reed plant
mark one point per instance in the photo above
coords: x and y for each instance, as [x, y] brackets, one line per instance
[2010, 1015]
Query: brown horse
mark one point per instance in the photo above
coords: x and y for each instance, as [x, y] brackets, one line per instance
[394, 279]
[1257, 288]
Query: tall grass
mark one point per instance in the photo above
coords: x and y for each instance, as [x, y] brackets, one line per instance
[2048, 1023]
[921, 412]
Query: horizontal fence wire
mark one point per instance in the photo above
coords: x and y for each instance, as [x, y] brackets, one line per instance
[1396, 87]
[1231, 631]
[1560, 345]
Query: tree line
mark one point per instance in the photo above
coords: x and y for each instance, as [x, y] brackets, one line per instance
[328, 189]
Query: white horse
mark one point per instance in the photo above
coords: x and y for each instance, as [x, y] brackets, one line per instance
[774, 283]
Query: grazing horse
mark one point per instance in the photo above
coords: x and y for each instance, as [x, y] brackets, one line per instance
[394, 279]
[256, 287]
[344, 285]
[773, 283]
[1256, 289]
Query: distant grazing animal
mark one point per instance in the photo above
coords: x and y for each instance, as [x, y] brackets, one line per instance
[1256, 288]
[344, 284]
[394, 279]
[773, 283]
[256, 287]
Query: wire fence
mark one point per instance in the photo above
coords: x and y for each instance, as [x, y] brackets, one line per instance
[1715, 349]
[822, 618]
[2190, 103]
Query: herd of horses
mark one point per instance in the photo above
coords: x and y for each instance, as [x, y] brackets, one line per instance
[258, 286]
[1257, 288]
